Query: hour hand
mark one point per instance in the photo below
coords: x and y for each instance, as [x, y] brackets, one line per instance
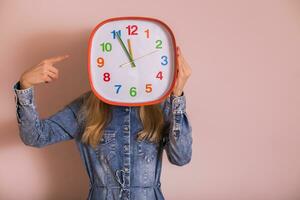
[126, 51]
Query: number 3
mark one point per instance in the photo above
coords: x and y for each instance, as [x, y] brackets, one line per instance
[164, 60]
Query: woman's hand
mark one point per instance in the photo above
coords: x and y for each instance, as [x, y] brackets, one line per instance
[42, 73]
[184, 72]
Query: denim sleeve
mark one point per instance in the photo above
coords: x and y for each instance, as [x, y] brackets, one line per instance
[36, 132]
[178, 140]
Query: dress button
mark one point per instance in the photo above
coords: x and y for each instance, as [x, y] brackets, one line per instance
[126, 109]
[126, 128]
[126, 147]
[126, 169]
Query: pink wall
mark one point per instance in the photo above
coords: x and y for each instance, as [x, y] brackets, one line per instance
[243, 96]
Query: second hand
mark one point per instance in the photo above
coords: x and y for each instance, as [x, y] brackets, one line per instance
[139, 58]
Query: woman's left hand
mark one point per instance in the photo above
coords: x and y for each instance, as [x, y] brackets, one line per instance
[184, 72]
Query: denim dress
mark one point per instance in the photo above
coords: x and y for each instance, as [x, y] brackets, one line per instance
[121, 167]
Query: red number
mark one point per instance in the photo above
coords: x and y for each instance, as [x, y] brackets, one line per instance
[106, 76]
[100, 62]
[147, 33]
[159, 75]
[148, 88]
[132, 30]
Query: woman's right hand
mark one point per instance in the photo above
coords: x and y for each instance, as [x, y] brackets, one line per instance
[42, 73]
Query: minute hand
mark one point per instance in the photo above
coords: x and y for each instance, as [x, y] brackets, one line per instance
[126, 51]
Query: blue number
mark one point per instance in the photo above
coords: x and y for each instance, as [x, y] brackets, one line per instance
[118, 88]
[164, 60]
[114, 32]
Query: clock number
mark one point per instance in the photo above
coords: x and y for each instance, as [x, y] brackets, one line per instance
[118, 88]
[106, 76]
[148, 88]
[159, 75]
[106, 46]
[100, 62]
[132, 91]
[132, 29]
[147, 33]
[158, 44]
[164, 60]
[114, 32]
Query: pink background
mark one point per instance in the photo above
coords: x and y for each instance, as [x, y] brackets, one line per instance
[242, 98]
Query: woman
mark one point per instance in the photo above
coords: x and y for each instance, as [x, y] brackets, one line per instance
[121, 146]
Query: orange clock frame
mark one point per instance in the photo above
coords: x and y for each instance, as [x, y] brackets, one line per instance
[175, 61]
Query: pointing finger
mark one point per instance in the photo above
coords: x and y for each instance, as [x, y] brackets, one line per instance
[56, 59]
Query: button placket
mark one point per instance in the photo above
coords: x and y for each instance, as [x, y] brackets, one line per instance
[126, 128]
[126, 148]
[126, 169]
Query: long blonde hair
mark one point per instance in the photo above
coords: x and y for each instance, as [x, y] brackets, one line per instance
[97, 114]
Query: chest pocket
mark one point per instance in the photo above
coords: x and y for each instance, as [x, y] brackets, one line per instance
[106, 149]
[147, 151]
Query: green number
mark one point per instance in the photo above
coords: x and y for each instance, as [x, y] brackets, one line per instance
[132, 91]
[158, 44]
[106, 46]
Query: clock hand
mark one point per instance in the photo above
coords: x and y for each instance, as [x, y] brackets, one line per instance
[129, 48]
[126, 51]
[139, 58]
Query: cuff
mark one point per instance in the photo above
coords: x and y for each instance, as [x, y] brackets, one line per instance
[178, 103]
[23, 96]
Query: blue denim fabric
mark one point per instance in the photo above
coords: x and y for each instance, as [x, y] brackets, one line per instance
[121, 167]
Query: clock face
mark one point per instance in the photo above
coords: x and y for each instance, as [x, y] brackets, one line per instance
[132, 61]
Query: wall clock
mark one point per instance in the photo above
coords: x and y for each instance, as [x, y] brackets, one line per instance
[132, 61]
